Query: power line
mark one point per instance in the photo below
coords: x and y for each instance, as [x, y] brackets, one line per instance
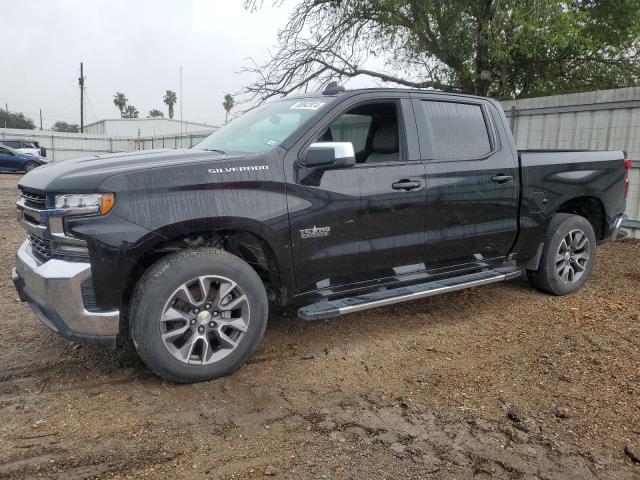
[90, 105]
[64, 95]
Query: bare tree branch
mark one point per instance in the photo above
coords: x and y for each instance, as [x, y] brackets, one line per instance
[506, 48]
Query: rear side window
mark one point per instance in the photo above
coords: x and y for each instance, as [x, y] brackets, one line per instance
[457, 130]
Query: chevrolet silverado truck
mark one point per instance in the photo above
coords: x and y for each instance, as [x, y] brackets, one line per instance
[334, 202]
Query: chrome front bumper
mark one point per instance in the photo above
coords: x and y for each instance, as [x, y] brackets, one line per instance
[53, 291]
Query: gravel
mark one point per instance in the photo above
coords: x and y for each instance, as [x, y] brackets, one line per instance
[450, 387]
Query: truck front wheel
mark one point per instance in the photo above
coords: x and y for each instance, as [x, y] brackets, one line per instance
[567, 257]
[197, 315]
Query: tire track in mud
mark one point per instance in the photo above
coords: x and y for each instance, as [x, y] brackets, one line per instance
[426, 389]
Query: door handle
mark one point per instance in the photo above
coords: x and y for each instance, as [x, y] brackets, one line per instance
[500, 178]
[406, 185]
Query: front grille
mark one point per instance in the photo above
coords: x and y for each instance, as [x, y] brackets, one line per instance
[34, 200]
[41, 247]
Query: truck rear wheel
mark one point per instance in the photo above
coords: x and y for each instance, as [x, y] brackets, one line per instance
[197, 315]
[567, 257]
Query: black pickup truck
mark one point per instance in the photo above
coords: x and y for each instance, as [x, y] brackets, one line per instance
[335, 202]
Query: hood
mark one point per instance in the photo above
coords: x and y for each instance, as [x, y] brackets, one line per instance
[86, 174]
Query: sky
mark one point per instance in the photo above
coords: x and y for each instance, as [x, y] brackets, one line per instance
[135, 47]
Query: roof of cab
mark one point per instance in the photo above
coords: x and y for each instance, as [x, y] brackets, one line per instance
[358, 91]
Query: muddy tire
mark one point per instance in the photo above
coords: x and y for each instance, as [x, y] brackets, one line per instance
[197, 315]
[568, 255]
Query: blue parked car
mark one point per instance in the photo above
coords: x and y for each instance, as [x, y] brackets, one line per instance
[14, 161]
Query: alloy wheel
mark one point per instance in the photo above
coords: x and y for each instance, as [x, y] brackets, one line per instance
[573, 256]
[204, 320]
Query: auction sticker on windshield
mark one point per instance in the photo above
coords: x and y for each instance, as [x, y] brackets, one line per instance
[307, 105]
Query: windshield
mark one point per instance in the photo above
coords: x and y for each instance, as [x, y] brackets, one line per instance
[263, 128]
[7, 147]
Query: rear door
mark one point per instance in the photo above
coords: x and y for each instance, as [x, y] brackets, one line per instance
[352, 226]
[472, 183]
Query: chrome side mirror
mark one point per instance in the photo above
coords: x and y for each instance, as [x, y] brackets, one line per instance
[330, 155]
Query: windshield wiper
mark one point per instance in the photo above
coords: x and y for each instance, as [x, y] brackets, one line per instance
[216, 150]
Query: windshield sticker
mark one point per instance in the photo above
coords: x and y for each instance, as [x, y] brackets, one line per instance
[307, 105]
[271, 142]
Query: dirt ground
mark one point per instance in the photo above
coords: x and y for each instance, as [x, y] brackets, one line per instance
[497, 382]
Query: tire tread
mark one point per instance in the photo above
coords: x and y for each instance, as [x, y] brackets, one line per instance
[143, 294]
[543, 278]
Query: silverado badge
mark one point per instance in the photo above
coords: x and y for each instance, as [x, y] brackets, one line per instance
[247, 168]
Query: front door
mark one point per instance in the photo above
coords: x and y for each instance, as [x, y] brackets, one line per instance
[8, 160]
[472, 184]
[354, 225]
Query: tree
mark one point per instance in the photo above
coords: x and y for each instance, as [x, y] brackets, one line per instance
[155, 113]
[228, 104]
[501, 48]
[120, 101]
[61, 126]
[15, 120]
[170, 100]
[130, 112]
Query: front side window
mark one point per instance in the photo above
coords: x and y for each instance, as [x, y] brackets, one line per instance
[373, 129]
[4, 151]
[265, 127]
[457, 130]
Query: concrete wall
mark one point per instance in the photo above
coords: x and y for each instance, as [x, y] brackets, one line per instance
[598, 120]
[63, 146]
[145, 127]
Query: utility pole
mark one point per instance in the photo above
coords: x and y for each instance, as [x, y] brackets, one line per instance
[40, 119]
[180, 106]
[81, 82]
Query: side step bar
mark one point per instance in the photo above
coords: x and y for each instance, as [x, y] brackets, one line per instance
[331, 309]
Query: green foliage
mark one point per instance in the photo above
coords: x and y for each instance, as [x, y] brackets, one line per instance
[155, 113]
[228, 104]
[170, 100]
[15, 120]
[120, 101]
[502, 48]
[130, 112]
[61, 126]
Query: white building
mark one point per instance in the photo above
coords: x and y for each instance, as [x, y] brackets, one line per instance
[145, 127]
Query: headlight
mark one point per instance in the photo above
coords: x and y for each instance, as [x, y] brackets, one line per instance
[89, 203]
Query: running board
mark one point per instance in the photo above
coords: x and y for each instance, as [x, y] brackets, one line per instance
[331, 309]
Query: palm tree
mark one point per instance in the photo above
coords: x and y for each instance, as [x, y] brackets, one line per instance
[170, 100]
[120, 101]
[130, 112]
[155, 113]
[228, 104]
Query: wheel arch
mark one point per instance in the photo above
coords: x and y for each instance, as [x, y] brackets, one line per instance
[248, 239]
[590, 207]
